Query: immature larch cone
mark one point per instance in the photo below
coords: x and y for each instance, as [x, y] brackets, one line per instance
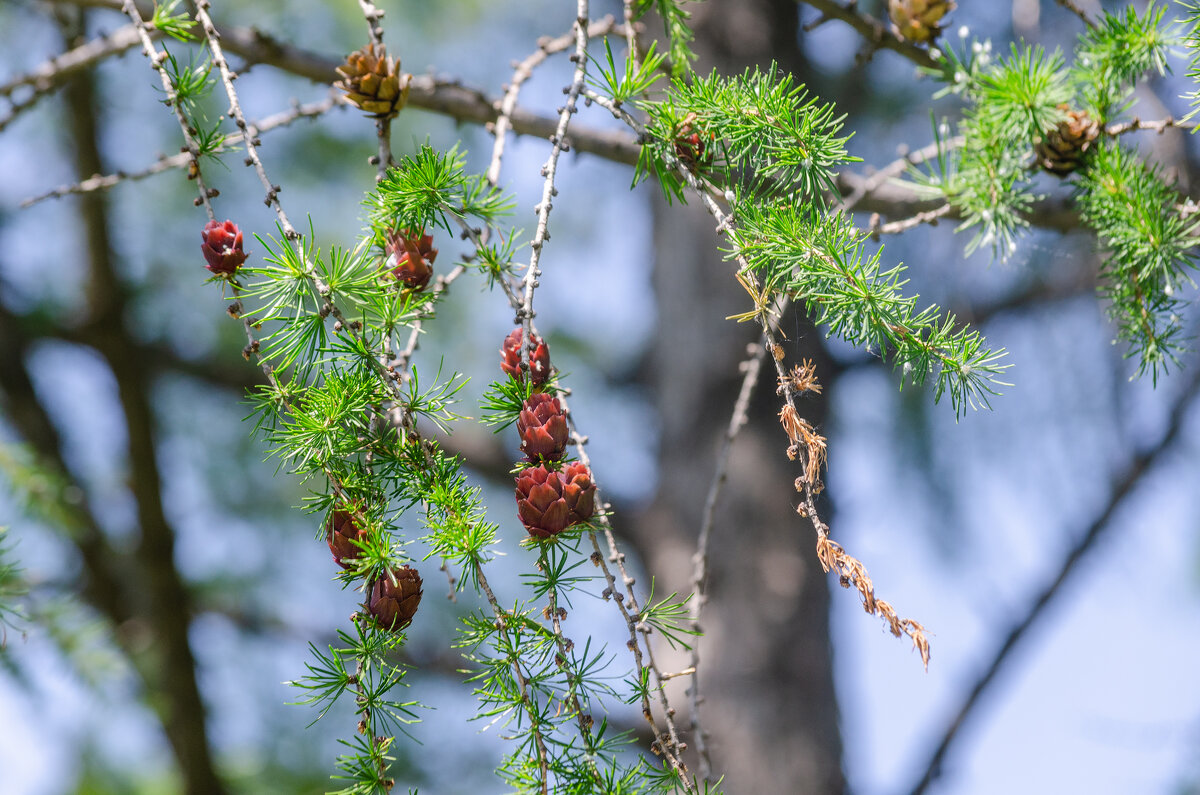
[540, 503]
[409, 257]
[373, 81]
[1064, 148]
[393, 600]
[692, 149]
[539, 357]
[341, 532]
[549, 502]
[543, 428]
[222, 247]
[579, 491]
[918, 21]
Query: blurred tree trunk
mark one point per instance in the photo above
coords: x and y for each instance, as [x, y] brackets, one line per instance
[766, 661]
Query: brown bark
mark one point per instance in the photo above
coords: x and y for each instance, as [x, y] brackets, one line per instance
[157, 588]
[766, 661]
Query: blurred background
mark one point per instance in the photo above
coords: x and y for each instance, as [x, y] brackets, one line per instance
[1050, 545]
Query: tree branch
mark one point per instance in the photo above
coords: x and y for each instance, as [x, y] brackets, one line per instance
[1123, 486]
[165, 598]
[875, 32]
[58, 69]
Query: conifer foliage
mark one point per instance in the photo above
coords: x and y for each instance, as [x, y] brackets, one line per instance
[349, 407]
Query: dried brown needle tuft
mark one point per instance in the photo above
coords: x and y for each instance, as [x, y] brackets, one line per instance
[849, 569]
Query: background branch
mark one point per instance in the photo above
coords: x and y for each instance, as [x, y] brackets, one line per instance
[1122, 487]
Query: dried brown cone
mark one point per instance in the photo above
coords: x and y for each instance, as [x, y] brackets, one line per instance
[373, 81]
[1064, 148]
[394, 599]
[918, 21]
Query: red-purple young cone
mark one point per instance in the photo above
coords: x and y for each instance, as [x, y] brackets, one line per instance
[340, 533]
[539, 357]
[393, 604]
[410, 257]
[692, 150]
[540, 502]
[221, 244]
[579, 491]
[222, 247]
[543, 428]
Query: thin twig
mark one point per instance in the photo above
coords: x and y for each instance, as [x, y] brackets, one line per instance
[249, 140]
[1158, 125]
[1122, 487]
[51, 73]
[565, 645]
[875, 32]
[626, 600]
[669, 745]
[522, 683]
[156, 62]
[15, 109]
[1077, 11]
[752, 369]
[106, 181]
[870, 184]
[383, 124]
[631, 43]
[931, 217]
[558, 144]
[523, 70]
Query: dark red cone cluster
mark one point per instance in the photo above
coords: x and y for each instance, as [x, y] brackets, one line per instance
[394, 599]
[543, 428]
[550, 496]
[222, 247]
[410, 257]
[341, 532]
[539, 357]
[550, 501]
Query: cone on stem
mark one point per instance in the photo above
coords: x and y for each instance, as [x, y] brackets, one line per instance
[221, 244]
[918, 21]
[539, 357]
[1064, 148]
[543, 428]
[373, 81]
[550, 501]
[394, 599]
[410, 257]
[341, 531]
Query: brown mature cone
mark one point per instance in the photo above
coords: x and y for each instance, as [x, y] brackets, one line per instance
[393, 600]
[543, 428]
[539, 357]
[1064, 148]
[409, 257]
[918, 21]
[341, 532]
[373, 81]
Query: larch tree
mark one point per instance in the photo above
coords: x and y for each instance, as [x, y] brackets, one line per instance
[411, 335]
